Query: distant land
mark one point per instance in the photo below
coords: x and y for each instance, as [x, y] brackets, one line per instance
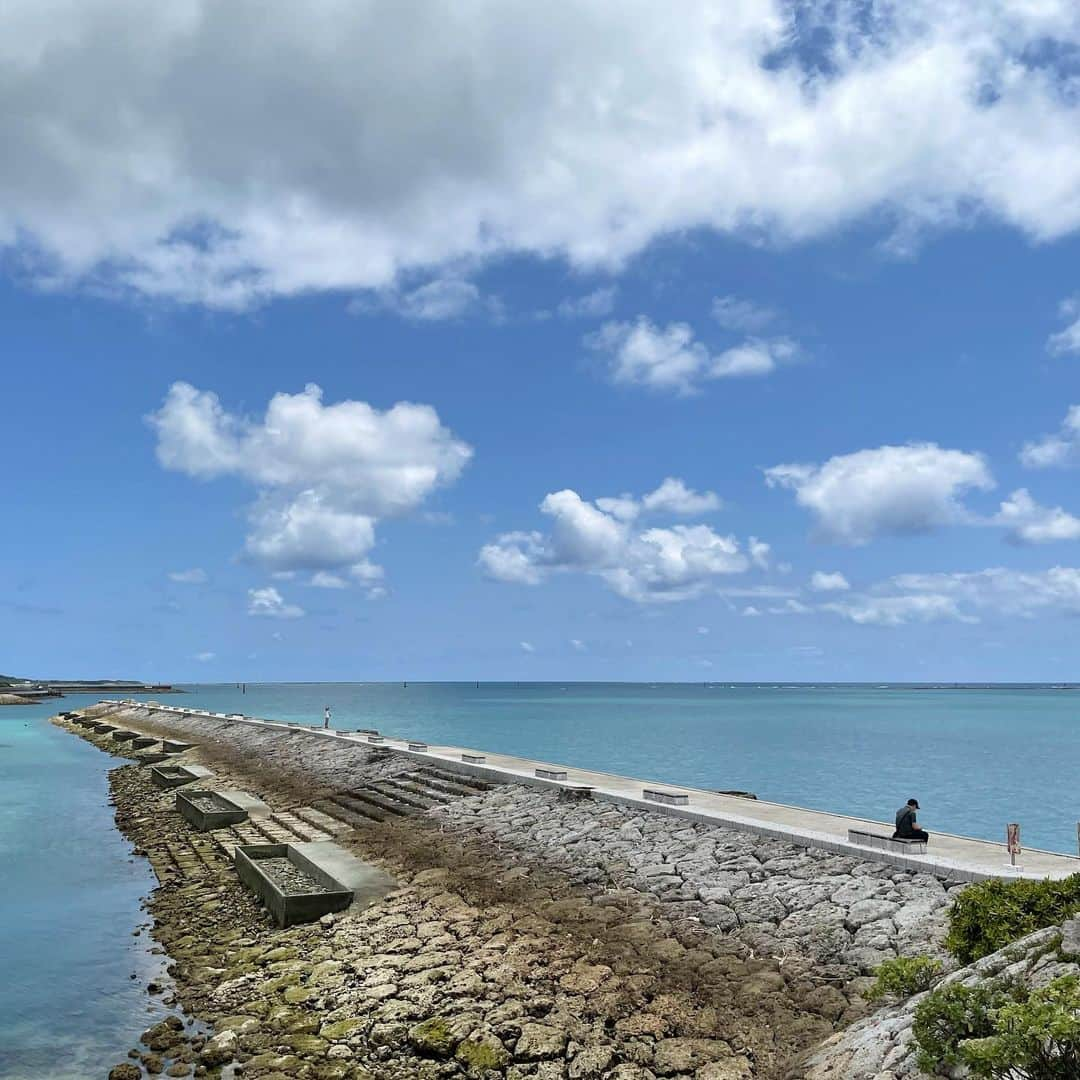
[15, 690]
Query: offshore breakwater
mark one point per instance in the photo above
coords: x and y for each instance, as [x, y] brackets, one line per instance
[530, 934]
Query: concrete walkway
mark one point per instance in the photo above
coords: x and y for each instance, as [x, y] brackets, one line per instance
[959, 857]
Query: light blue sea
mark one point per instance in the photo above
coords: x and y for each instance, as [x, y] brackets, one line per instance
[975, 758]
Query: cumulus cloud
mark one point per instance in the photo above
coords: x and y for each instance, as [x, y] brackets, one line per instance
[195, 576]
[1005, 591]
[1060, 449]
[605, 539]
[527, 646]
[671, 359]
[1066, 342]
[232, 152]
[593, 305]
[269, 603]
[205, 657]
[324, 474]
[734, 313]
[1030, 523]
[898, 610]
[828, 581]
[889, 490]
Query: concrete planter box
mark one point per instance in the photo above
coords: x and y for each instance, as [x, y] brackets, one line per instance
[208, 810]
[152, 759]
[170, 746]
[104, 729]
[288, 906]
[124, 736]
[170, 776]
[143, 741]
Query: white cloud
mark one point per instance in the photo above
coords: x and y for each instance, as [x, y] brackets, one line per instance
[195, 576]
[527, 646]
[741, 316]
[1009, 592]
[323, 580]
[231, 152]
[1060, 449]
[898, 610]
[1067, 341]
[440, 300]
[270, 603]
[603, 539]
[204, 657]
[703, 630]
[674, 497]
[324, 473]
[1030, 523]
[888, 490]
[593, 305]
[671, 359]
[578, 645]
[826, 581]
[750, 611]
[759, 552]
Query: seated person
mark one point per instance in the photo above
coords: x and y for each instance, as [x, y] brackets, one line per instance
[906, 826]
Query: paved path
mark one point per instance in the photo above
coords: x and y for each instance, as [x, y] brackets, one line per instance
[947, 855]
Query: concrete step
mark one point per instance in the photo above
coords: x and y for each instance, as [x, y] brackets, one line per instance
[412, 785]
[400, 793]
[452, 783]
[366, 801]
[299, 827]
[320, 821]
[345, 814]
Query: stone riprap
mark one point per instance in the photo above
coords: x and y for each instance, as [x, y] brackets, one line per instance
[531, 936]
[778, 898]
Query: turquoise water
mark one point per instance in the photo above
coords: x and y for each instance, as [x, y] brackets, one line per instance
[69, 902]
[976, 759]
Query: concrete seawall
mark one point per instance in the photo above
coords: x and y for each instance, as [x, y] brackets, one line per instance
[565, 936]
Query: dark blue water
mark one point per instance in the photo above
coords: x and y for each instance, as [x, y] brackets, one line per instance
[69, 901]
[975, 759]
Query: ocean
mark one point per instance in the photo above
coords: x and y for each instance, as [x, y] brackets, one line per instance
[976, 758]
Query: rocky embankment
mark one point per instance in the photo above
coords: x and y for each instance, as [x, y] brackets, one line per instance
[529, 936]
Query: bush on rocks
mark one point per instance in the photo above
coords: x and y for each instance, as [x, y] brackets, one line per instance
[992, 914]
[903, 976]
[1002, 1030]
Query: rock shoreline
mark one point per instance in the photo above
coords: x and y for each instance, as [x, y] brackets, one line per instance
[530, 935]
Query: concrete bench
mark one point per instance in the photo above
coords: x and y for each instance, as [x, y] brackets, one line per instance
[884, 842]
[418, 747]
[551, 774]
[668, 798]
[474, 759]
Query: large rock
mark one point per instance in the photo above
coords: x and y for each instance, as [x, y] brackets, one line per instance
[221, 1049]
[539, 1041]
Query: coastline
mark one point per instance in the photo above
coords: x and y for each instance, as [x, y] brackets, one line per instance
[541, 936]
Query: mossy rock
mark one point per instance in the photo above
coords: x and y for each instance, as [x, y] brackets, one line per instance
[342, 1029]
[433, 1037]
[282, 952]
[297, 994]
[309, 1045]
[283, 982]
[479, 1055]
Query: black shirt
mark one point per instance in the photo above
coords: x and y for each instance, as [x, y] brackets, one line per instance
[905, 821]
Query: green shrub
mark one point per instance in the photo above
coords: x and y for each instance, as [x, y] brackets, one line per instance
[903, 976]
[992, 914]
[1002, 1031]
[952, 1014]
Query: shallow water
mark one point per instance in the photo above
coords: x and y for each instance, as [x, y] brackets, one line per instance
[975, 759]
[68, 905]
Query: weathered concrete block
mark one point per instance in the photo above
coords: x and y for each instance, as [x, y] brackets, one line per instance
[170, 776]
[143, 741]
[171, 746]
[124, 736]
[375, 739]
[208, 810]
[474, 759]
[668, 798]
[293, 887]
[418, 747]
[551, 774]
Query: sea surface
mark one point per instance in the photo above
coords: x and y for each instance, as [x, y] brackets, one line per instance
[976, 758]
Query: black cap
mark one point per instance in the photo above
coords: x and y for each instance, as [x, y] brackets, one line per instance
[914, 802]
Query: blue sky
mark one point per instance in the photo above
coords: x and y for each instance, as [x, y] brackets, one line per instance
[603, 393]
